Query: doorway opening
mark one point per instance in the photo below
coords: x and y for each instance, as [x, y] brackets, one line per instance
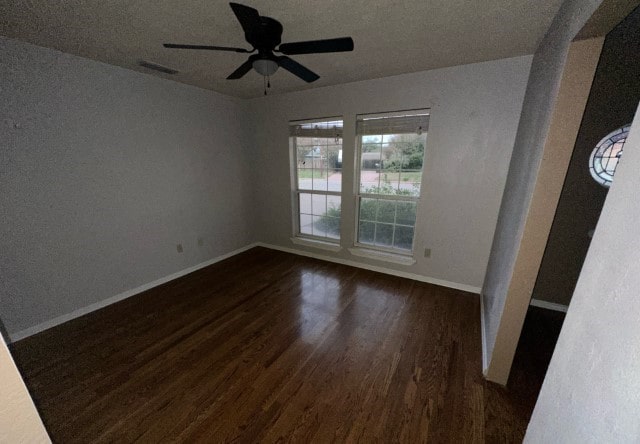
[599, 146]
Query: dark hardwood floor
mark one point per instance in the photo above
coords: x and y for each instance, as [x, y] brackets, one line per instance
[268, 346]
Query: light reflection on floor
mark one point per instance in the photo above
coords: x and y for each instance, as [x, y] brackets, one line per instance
[319, 303]
[326, 301]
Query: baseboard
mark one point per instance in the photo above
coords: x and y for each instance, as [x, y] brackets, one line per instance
[404, 274]
[549, 305]
[13, 337]
[483, 335]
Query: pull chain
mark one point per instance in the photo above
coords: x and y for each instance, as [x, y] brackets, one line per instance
[266, 83]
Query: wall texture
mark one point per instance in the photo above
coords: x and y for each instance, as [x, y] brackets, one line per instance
[591, 393]
[474, 115]
[612, 103]
[103, 171]
[19, 420]
[503, 308]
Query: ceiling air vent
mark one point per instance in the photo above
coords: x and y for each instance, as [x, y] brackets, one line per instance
[157, 67]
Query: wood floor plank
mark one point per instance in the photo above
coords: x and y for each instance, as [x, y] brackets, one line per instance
[269, 347]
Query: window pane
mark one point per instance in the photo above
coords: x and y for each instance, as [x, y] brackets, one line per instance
[317, 228]
[410, 182]
[370, 164]
[306, 224]
[319, 175]
[384, 235]
[406, 213]
[304, 203]
[318, 159]
[328, 222]
[409, 150]
[318, 204]
[305, 178]
[334, 181]
[369, 182]
[403, 237]
[394, 166]
[403, 163]
[334, 166]
[386, 211]
[331, 226]
[333, 205]
[366, 232]
[368, 209]
[390, 181]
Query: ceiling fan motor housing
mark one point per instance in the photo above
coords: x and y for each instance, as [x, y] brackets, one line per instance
[265, 37]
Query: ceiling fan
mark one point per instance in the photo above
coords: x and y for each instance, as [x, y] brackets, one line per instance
[263, 34]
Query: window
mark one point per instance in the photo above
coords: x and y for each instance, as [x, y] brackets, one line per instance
[391, 150]
[606, 155]
[317, 147]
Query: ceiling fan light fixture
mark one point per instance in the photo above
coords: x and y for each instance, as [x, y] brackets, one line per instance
[265, 67]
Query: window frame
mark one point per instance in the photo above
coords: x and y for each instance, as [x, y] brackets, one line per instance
[599, 171]
[296, 191]
[358, 195]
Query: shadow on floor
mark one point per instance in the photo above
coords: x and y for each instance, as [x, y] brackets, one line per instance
[535, 348]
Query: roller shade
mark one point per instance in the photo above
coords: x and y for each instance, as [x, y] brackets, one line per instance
[399, 123]
[328, 129]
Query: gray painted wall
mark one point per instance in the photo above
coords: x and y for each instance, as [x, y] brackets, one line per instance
[474, 115]
[612, 102]
[591, 393]
[542, 89]
[103, 171]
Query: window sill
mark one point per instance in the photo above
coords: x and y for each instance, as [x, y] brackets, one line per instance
[328, 246]
[382, 256]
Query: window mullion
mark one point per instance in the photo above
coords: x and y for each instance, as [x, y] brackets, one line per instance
[389, 197]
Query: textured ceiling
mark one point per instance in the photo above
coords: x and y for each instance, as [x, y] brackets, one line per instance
[391, 36]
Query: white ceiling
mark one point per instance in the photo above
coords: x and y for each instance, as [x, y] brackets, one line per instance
[391, 36]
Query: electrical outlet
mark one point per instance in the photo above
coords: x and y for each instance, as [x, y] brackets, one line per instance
[200, 242]
[427, 252]
[179, 248]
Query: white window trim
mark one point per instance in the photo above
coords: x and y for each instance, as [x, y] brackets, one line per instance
[325, 243]
[396, 255]
[380, 255]
[316, 243]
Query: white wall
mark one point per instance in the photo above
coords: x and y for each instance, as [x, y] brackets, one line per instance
[474, 116]
[502, 326]
[105, 170]
[19, 420]
[102, 172]
[591, 393]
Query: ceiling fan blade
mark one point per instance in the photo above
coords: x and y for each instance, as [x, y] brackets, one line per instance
[297, 69]
[341, 44]
[248, 17]
[211, 48]
[242, 70]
